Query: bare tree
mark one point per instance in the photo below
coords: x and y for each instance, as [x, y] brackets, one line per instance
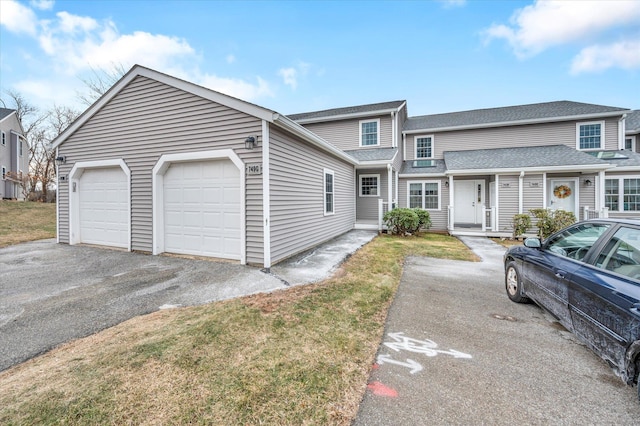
[100, 81]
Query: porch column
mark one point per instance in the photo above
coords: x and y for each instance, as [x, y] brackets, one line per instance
[450, 209]
[497, 222]
[600, 191]
[520, 192]
[389, 186]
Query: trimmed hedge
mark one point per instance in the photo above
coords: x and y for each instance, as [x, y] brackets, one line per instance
[405, 221]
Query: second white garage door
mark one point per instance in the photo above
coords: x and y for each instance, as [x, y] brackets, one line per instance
[202, 209]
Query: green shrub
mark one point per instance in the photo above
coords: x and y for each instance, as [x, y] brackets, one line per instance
[521, 222]
[404, 221]
[550, 221]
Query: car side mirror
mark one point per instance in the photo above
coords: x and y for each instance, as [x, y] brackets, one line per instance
[532, 243]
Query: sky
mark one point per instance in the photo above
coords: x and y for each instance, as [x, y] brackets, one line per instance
[300, 56]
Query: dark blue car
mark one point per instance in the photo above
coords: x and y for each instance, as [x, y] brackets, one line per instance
[587, 276]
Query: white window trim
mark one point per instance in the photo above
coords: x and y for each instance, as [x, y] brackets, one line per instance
[377, 120]
[633, 142]
[415, 147]
[602, 135]
[324, 192]
[422, 182]
[620, 179]
[377, 176]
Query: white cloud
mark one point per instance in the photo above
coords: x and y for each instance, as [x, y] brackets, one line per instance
[73, 23]
[236, 87]
[17, 18]
[548, 23]
[289, 76]
[624, 54]
[42, 4]
[450, 4]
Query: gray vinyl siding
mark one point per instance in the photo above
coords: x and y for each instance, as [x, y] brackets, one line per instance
[345, 134]
[9, 158]
[439, 218]
[148, 119]
[297, 195]
[532, 192]
[508, 199]
[562, 133]
[367, 207]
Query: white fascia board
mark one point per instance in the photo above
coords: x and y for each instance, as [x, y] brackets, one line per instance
[547, 169]
[518, 122]
[293, 127]
[192, 88]
[375, 113]
[421, 175]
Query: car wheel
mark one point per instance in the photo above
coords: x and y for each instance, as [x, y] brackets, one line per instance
[513, 284]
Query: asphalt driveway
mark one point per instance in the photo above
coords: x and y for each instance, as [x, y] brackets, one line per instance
[456, 350]
[53, 293]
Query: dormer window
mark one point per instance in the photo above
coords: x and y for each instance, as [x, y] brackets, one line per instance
[370, 132]
[590, 135]
[424, 147]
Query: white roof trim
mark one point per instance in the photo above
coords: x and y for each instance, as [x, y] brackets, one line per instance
[293, 127]
[192, 88]
[421, 175]
[373, 113]
[543, 169]
[517, 122]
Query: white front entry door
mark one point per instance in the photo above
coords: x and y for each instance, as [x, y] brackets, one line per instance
[468, 201]
[562, 195]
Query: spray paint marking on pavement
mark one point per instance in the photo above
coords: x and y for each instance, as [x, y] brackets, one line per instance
[380, 389]
[426, 347]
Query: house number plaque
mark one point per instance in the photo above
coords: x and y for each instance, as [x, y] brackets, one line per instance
[254, 168]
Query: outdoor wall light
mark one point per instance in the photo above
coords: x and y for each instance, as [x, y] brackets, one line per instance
[251, 142]
[61, 160]
[446, 183]
[588, 182]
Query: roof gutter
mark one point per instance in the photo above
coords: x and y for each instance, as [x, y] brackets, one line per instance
[517, 122]
[352, 115]
[544, 169]
[293, 127]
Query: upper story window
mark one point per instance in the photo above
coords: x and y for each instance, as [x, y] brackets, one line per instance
[424, 147]
[630, 143]
[370, 132]
[329, 207]
[590, 135]
[20, 147]
[4, 138]
[369, 185]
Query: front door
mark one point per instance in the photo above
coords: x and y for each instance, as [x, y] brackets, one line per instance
[562, 195]
[468, 201]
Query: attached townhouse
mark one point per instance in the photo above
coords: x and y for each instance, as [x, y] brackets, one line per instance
[14, 158]
[159, 164]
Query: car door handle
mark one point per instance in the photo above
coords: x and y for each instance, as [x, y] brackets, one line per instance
[560, 274]
[636, 307]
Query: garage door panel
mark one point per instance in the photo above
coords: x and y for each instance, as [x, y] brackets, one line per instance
[202, 209]
[104, 207]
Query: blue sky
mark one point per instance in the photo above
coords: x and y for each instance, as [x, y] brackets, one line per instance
[298, 56]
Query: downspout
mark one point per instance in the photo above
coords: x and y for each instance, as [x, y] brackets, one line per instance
[404, 147]
[389, 186]
[266, 197]
[621, 131]
[520, 192]
[393, 129]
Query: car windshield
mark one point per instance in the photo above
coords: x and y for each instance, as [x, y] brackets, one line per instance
[576, 241]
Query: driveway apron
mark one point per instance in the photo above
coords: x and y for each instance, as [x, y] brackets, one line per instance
[456, 350]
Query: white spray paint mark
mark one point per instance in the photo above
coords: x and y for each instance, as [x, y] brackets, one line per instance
[426, 347]
[411, 364]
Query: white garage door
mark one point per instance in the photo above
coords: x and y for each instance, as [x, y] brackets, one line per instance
[202, 209]
[104, 207]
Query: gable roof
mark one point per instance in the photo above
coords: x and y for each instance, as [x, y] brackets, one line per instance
[373, 154]
[229, 101]
[632, 123]
[543, 158]
[348, 112]
[5, 112]
[510, 116]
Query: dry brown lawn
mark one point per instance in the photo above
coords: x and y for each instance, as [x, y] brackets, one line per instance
[22, 221]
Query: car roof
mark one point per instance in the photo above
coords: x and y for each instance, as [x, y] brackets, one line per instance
[628, 221]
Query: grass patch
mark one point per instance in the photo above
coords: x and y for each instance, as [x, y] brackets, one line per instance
[22, 221]
[507, 242]
[296, 356]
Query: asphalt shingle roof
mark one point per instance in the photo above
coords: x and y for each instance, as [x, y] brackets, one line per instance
[382, 106]
[374, 154]
[438, 168]
[5, 112]
[506, 114]
[509, 158]
[632, 122]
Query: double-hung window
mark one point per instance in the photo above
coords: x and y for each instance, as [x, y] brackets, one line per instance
[424, 147]
[369, 185]
[329, 192]
[630, 143]
[590, 136]
[424, 195]
[622, 194]
[370, 132]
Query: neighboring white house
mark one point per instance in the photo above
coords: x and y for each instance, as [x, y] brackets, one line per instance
[14, 156]
[159, 164]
